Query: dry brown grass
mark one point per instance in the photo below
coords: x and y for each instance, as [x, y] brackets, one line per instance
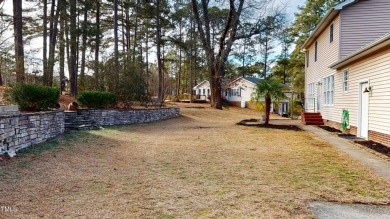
[200, 165]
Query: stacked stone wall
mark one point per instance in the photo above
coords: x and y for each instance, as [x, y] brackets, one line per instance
[23, 130]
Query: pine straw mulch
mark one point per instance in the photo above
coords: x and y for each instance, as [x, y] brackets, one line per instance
[329, 129]
[378, 147]
[200, 165]
[257, 123]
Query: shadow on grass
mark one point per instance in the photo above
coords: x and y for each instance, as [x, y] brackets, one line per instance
[50, 144]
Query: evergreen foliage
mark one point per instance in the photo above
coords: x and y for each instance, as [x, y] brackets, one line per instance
[97, 99]
[32, 97]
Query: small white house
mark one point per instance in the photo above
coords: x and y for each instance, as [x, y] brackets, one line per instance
[202, 90]
[240, 91]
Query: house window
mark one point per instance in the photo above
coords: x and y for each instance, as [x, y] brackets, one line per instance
[307, 58]
[236, 92]
[331, 33]
[328, 88]
[204, 91]
[208, 91]
[311, 95]
[315, 51]
[345, 80]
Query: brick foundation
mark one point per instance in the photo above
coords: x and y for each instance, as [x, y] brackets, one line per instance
[379, 137]
[337, 125]
[235, 103]
[372, 135]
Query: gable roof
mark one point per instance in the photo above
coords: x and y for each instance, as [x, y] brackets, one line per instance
[365, 50]
[326, 20]
[252, 80]
[201, 83]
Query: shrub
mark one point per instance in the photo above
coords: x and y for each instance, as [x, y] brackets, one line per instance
[32, 97]
[97, 99]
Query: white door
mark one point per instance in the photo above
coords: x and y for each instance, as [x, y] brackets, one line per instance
[363, 122]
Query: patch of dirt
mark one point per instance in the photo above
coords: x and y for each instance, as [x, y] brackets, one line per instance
[378, 147]
[329, 129]
[65, 100]
[347, 136]
[195, 107]
[253, 123]
[283, 127]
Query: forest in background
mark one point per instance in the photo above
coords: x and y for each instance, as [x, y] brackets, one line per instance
[107, 45]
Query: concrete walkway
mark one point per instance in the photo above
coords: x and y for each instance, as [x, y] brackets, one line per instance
[331, 210]
[377, 164]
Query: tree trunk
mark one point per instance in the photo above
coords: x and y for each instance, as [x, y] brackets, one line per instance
[136, 32]
[159, 64]
[67, 44]
[53, 41]
[215, 63]
[97, 45]
[83, 48]
[73, 48]
[116, 45]
[267, 109]
[1, 71]
[147, 52]
[179, 72]
[18, 37]
[45, 42]
[62, 45]
[127, 31]
[191, 47]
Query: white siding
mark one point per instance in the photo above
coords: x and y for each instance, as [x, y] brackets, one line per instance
[362, 23]
[376, 70]
[328, 53]
[247, 89]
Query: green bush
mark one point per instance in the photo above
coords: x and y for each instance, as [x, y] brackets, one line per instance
[32, 97]
[97, 99]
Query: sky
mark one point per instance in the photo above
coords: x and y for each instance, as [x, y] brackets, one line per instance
[35, 47]
[292, 6]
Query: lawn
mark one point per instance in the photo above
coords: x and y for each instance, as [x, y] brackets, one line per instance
[200, 165]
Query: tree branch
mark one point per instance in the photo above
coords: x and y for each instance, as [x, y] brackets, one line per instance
[202, 36]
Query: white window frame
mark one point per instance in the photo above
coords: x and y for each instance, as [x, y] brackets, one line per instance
[346, 80]
[310, 94]
[328, 90]
[236, 92]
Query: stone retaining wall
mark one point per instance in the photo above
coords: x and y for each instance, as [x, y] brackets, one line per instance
[105, 117]
[23, 130]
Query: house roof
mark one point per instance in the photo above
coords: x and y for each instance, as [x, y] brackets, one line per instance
[201, 83]
[365, 50]
[252, 80]
[326, 20]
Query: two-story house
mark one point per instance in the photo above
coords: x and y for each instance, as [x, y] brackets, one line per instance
[348, 68]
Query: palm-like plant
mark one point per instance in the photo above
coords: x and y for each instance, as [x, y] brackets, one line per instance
[268, 89]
